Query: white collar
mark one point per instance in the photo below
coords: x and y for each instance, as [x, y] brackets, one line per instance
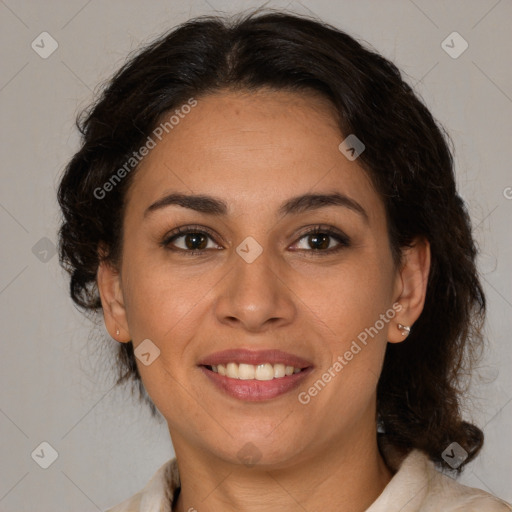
[415, 487]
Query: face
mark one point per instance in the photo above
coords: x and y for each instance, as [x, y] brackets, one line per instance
[260, 265]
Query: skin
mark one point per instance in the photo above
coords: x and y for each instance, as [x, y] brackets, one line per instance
[255, 151]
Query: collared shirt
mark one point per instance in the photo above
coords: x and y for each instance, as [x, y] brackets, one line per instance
[417, 486]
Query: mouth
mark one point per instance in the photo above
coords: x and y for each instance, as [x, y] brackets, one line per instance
[255, 376]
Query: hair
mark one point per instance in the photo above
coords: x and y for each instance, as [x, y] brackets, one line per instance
[407, 157]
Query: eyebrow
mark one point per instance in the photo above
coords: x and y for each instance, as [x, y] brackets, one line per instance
[214, 206]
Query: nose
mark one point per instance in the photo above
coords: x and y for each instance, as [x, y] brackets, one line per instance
[255, 296]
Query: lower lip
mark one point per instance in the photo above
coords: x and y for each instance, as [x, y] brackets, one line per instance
[256, 390]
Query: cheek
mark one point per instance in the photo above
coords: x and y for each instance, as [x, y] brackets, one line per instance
[165, 306]
[161, 299]
[350, 305]
[354, 325]
[347, 297]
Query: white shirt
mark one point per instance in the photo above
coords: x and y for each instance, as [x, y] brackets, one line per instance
[417, 486]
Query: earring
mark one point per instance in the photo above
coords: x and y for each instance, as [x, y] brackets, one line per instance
[117, 332]
[405, 329]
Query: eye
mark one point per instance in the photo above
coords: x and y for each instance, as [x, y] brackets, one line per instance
[322, 240]
[192, 240]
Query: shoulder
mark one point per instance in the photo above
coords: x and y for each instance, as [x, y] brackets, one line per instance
[157, 494]
[418, 486]
[445, 493]
[132, 504]
[452, 496]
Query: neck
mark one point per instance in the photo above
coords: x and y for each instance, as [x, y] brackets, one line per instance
[347, 476]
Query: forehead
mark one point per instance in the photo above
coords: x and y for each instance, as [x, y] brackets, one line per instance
[251, 148]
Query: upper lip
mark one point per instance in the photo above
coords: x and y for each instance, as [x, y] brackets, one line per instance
[254, 357]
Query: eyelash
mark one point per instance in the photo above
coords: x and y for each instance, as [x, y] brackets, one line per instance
[342, 239]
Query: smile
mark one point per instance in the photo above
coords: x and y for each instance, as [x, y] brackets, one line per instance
[265, 371]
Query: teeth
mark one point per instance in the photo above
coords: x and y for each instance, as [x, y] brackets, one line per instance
[232, 370]
[246, 371]
[265, 371]
[279, 371]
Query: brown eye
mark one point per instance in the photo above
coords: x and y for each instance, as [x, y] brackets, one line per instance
[322, 240]
[195, 241]
[319, 241]
[189, 240]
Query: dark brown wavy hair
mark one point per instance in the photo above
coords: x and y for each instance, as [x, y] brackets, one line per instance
[407, 157]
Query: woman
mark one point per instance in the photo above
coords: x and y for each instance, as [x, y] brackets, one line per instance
[266, 215]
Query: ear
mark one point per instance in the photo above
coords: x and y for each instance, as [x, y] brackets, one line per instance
[108, 280]
[410, 288]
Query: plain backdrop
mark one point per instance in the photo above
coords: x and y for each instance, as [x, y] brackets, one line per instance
[56, 387]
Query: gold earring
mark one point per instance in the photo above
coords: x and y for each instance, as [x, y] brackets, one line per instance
[117, 332]
[405, 329]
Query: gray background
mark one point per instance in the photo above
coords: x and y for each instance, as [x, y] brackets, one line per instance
[54, 374]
